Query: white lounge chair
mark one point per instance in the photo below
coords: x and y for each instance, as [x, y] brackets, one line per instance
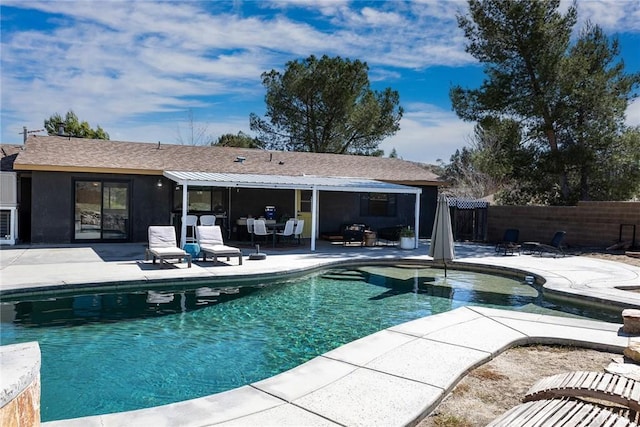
[163, 245]
[211, 243]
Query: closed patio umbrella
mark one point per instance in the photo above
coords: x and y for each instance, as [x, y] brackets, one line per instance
[441, 248]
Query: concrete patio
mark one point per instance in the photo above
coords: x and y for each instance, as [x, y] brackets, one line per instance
[393, 377]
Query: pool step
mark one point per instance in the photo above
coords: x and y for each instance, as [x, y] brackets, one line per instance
[344, 275]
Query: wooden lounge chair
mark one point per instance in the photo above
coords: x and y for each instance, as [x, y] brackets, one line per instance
[584, 384]
[210, 241]
[555, 246]
[163, 245]
[560, 412]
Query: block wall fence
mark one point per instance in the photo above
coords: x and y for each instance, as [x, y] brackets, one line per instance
[589, 224]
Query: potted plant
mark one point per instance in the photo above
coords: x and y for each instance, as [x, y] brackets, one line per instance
[407, 238]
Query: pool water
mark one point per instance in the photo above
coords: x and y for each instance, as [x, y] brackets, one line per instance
[115, 352]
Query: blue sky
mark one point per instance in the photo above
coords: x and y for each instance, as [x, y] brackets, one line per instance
[138, 68]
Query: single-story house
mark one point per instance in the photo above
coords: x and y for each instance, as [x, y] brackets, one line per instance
[74, 190]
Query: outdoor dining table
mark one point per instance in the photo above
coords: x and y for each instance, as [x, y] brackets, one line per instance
[274, 228]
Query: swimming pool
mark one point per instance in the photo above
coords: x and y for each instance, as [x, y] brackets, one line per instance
[113, 352]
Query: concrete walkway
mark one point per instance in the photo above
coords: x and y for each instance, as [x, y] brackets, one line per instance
[393, 377]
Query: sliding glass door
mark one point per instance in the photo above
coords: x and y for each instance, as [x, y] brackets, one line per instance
[101, 210]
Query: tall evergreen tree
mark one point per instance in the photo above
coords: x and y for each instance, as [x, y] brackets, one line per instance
[72, 126]
[595, 93]
[241, 140]
[569, 100]
[326, 105]
[521, 45]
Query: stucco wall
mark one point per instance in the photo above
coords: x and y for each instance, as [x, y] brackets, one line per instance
[595, 224]
[52, 196]
[338, 208]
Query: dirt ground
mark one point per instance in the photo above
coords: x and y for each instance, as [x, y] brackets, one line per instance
[493, 388]
[618, 256]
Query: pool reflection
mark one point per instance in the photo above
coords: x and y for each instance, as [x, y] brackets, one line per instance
[113, 307]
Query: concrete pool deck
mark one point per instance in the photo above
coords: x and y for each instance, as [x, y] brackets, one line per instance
[393, 377]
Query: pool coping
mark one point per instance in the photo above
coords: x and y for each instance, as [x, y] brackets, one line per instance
[384, 378]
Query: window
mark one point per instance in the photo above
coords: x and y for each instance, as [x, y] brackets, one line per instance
[305, 200]
[378, 204]
[200, 199]
[101, 210]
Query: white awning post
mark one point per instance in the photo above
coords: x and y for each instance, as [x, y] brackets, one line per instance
[416, 226]
[185, 207]
[314, 217]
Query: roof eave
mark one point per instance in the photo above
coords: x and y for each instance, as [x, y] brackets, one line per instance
[79, 169]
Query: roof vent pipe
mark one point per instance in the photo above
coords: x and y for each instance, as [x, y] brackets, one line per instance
[240, 159]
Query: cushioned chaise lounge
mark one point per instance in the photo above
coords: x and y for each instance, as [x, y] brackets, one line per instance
[163, 245]
[211, 243]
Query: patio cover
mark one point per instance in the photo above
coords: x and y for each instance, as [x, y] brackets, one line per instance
[302, 182]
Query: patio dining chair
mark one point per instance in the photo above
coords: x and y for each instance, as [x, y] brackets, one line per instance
[250, 222]
[289, 228]
[207, 220]
[297, 233]
[260, 229]
[191, 222]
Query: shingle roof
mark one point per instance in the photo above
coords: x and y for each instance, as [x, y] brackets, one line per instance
[54, 153]
[8, 154]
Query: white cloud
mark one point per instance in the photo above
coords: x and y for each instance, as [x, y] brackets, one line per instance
[633, 113]
[117, 59]
[119, 63]
[611, 15]
[172, 131]
[370, 17]
[427, 134]
[325, 7]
